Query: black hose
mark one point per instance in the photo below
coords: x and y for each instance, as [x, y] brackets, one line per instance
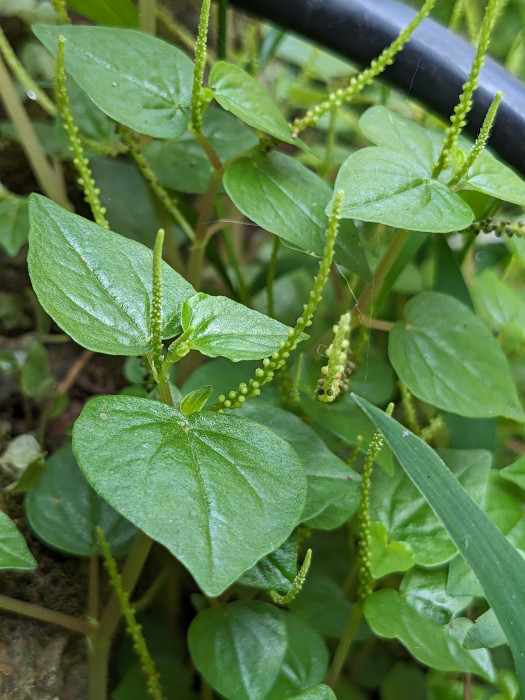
[432, 67]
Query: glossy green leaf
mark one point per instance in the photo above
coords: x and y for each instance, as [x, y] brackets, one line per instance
[282, 196]
[223, 327]
[269, 653]
[485, 633]
[276, 571]
[396, 502]
[495, 301]
[515, 472]
[477, 538]
[330, 480]
[387, 557]
[136, 79]
[120, 13]
[218, 491]
[183, 165]
[436, 353]
[96, 284]
[487, 174]
[14, 552]
[195, 400]
[426, 591]
[237, 92]
[319, 692]
[64, 511]
[394, 189]
[14, 223]
[390, 615]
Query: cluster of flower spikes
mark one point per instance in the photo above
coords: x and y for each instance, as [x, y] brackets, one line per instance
[339, 367]
[278, 359]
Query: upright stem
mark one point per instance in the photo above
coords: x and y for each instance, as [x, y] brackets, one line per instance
[48, 180]
[148, 16]
[199, 244]
[344, 645]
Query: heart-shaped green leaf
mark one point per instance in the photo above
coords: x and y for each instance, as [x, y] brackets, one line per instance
[282, 196]
[426, 591]
[435, 352]
[486, 633]
[276, 571]
[96, 284]
[136, 79]
[386, 557]
[14, 552]
[223, 327]
[64, 512]
[390, 615]
[397, 190]
[218, 491]
[497, 564]
[237, 92]
[269, 653]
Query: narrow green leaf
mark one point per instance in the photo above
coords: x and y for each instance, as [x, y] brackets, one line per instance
[237, 92]
[218, 491]
[135, 78]
[14, 552]
[223, 327]
[120, 13]
[96, 284]
[64, 511]
[269, 653]
[282, 196]
[195, 400]
[436, 353]
[497, 564]
[394, 189]
[14, 223]
[390, 615]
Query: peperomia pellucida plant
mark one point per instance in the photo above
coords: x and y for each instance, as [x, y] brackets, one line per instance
[318, 505]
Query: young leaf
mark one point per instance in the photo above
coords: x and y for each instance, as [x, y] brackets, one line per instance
[386, 557]
[436, 353]
[485, 633]
[282, 196]
[195, 400]
[96, 284]
[477, 538]
[63, 510]
[237, 92]
[136, 79]
[269, 653]
[218, 491]
[14, 552]
[223, 327]
[390, 615]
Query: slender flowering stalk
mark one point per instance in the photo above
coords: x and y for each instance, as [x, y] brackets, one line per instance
[407, 401]
[272, 364]
[480, 141]
[147, 171]
[197, 103]
[134, 629]
[60, 8]
[499, 227]
[359, 82]
[366, 582]
[297, 584]
[86, 181]
[156, 302]
[23, 77]
[461, 110]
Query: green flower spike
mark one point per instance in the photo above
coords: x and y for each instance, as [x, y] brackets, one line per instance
[335, 373]
[297, 584]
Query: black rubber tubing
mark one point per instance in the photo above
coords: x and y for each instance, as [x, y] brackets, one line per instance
[432, 67]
